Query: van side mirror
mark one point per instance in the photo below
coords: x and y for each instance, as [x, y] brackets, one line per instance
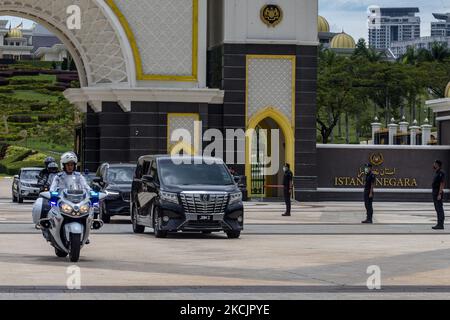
[148, 179]
[237, 179]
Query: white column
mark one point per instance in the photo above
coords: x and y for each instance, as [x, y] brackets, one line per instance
[404, 125]
[376, 126]
[393, 128]
[426, 132]
[414, 129]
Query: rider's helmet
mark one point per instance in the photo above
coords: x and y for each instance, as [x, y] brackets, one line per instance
[48, 160]
[67, 158]
[53, 167]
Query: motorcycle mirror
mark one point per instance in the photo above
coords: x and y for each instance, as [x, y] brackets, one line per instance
[46, 195]
[97, 180]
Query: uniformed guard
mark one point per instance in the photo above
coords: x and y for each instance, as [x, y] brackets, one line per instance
[287, 187]
[369, 193]
[438, 194]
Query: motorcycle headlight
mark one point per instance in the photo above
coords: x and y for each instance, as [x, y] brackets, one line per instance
[84, 209]
[169, 196]
[66, 209]
[235, 197]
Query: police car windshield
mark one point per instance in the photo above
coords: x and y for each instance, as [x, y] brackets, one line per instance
[120, 175]
[29, 174]
[194, 174]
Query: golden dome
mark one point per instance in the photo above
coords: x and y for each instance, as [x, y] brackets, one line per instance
[323, 24]
[447, 91]
[15, 33]
[342, 41]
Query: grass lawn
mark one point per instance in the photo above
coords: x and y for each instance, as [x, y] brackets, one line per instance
[30, 95]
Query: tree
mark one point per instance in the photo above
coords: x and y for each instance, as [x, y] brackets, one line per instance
[336, 93]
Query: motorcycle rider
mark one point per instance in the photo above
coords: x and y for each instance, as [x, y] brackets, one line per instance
[47, 179]
[69, 162]
[43, 175]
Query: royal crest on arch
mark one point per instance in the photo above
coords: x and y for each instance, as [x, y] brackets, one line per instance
[271, 15]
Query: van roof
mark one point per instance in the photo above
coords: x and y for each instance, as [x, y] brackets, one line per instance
[166, 156]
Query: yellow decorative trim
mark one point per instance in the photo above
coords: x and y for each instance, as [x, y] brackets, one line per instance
[286, 125]
[136, 53]
[178, 146]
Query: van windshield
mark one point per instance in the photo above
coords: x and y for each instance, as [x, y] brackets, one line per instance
[193, 174]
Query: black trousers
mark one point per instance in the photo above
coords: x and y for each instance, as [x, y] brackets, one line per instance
[368, 202]
[287, 199]
[439, 206]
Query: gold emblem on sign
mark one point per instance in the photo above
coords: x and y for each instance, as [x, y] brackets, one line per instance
[376, 159]
[271, 15]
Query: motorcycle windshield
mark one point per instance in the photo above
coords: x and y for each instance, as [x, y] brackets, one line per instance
[73, 189]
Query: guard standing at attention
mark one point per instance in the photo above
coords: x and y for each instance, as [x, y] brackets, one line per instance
[368, 193]
[438, 194]
[287, 187]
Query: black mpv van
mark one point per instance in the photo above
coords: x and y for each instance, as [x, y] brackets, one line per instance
[180, 193]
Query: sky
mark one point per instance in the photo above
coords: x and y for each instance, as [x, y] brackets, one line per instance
[351, 15]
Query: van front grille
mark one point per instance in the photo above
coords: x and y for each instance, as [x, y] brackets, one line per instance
[201, 203]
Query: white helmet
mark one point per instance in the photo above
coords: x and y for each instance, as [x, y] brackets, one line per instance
[68, 157]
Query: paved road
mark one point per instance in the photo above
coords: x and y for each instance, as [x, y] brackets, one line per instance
[322, 251]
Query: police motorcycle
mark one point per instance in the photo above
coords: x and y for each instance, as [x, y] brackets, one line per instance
[70, 218]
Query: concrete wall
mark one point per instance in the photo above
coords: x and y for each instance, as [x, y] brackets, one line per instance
[403, 172]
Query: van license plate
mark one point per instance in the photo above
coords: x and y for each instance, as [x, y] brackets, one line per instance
[205, 218]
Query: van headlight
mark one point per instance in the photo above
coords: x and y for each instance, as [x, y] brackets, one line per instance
[169, 196]
[66, 209]
[235, 197]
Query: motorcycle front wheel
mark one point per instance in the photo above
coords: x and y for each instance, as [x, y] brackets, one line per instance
[75, 247]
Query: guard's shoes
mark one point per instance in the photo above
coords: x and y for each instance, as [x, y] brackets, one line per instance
[367, 222]
[88, 241]
[438, 227]
[286, 215]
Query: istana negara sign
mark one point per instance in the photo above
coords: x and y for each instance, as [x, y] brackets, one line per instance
[396, 168]
[386, 177]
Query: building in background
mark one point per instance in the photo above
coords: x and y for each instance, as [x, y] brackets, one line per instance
[341, 43]
[17, 43]
[399, 48]
[57, 53]
[441, 28]
[387, 25]
[440, 33]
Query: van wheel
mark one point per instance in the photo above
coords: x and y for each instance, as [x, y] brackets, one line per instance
[233, 234]
[75, 247]
[60, 254]
[137, 228]
[156, 225]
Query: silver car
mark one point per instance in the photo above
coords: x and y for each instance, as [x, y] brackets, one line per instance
[25, 185]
